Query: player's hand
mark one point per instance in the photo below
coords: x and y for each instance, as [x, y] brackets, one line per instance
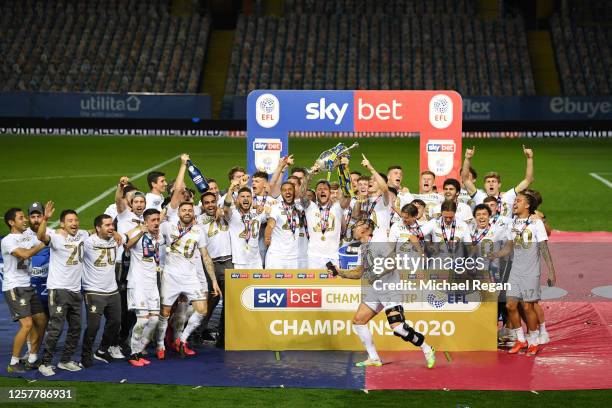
[290, 160]
[528, 152]
[267, 241]
[234, 185]
[123, 181]
[216, 289]
[143, 228]
[405, 190]
[184, 158]
[49, 210]
[244, 180]
[344, 161]
[365, 162]
[469, 153]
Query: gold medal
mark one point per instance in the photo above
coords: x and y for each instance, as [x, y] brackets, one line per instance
[247, 247]
[322, 237]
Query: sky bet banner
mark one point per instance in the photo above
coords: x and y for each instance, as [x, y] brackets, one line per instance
[311, 310]
[437, 115]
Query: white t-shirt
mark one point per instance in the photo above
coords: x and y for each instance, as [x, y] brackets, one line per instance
[126, 221]
[492, 241]
[285, 242]
[111, 211]
[324, 245]
[433, 228]
[526, 237]
[244, 236]
[16, 271]
[154, 201]
[99, 264]
[505, 201]
[464, 213]
[380, 214]
[66, 260]
[143, 269]
[181, 253]
[217, 231]
[400, 234]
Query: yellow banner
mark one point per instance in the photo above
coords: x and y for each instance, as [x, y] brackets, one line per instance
[311, 310]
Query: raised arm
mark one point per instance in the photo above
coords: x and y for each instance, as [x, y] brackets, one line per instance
[387, 195]
[526, 182]
[305, 183]
[179, 183]
[41, 234]
[229, 199]
[465, 171]
[275, 181]
[119, 200]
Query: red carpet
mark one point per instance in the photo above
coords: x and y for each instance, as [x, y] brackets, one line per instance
[578, 357]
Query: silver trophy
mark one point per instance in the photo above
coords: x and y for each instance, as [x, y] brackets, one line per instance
[330, 159]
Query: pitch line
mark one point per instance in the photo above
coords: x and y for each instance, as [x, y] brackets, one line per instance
[12, 180]
[602, 179]
[113, 188]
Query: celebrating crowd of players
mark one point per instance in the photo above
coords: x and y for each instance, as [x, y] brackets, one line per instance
[151, 260]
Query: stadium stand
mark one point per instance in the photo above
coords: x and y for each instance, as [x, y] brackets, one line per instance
[583, 54]
[100, 46]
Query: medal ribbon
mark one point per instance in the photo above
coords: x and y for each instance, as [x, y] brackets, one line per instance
[452, 235]
[246, 220]
[324, 218]
[476, 240]
[292, 216]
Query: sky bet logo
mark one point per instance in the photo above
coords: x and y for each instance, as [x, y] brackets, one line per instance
[440, 147]
[287, 298]
[323, 110]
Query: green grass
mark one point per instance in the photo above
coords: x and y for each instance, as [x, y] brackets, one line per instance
[92, 394]
[77, 169]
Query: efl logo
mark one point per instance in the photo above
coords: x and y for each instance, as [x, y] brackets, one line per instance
[441, 111]
[267, 110]
[322, 110]
[287, 298]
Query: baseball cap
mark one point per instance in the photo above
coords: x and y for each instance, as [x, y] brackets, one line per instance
[36, 207]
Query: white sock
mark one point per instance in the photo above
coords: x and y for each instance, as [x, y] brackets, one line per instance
[179, 317]
[137, 332]
[29, 345]
[532, 337]
[192, 324]
[147, 332]
[14, 360]
[542, 328]
[161, 332]
[366, 339]
[520, 335]
[32, 358]
[426, 347]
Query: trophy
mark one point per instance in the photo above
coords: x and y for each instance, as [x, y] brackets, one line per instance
[330, 160]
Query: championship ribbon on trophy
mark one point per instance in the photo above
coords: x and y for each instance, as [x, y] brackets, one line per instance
[330, 160]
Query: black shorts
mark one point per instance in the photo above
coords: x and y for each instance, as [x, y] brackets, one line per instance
[23, 302]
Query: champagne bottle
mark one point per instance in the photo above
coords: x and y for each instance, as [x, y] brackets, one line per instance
[197, 177]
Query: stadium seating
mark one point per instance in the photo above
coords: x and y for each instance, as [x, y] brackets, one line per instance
[100, 46]
[584, 56]
[377, 50]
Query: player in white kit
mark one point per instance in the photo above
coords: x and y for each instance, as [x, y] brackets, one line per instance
[528, 241]
[23, 302]
[180, 275]
[244, 226]
[376, 297]
[64, 285]
[100, 290]
[492, 183]
[282, 234]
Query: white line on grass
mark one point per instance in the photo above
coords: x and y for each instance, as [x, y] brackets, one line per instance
[58, 177]
[113, 188]
[603, 180]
